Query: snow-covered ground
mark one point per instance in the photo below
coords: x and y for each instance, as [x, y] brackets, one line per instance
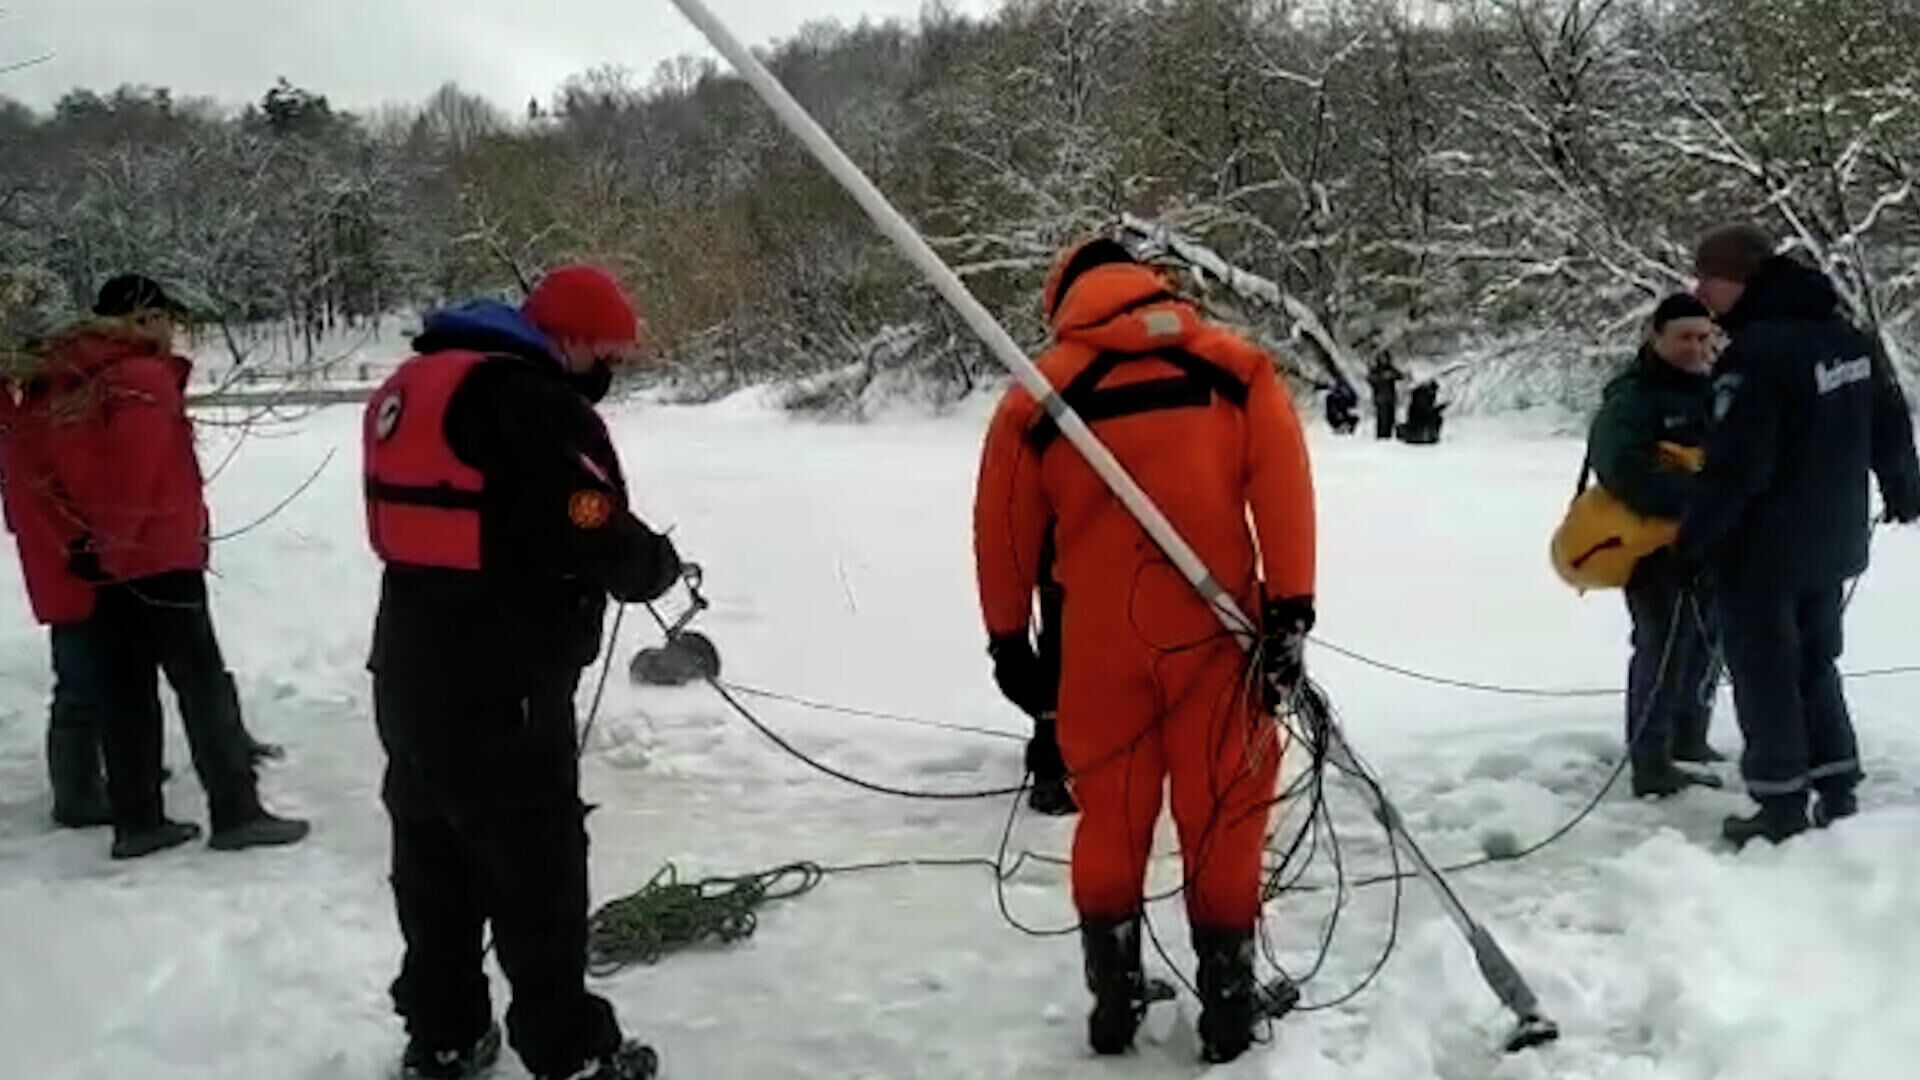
[838, 559]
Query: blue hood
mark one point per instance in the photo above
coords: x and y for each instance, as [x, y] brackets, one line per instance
[486, 326]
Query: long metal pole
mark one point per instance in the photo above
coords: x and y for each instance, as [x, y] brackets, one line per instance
[1502, 977]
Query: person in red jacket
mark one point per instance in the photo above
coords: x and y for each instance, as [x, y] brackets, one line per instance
[64, 604]
[1151, 691]
[129, 514]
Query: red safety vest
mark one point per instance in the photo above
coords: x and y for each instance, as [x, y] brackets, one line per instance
[423, 503]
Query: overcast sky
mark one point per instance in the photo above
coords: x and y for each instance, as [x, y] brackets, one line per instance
[362, 53]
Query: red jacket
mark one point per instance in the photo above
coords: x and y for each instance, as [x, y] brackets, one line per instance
[111, 417]
[56, 595]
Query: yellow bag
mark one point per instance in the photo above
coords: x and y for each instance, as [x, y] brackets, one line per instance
[1602, 540]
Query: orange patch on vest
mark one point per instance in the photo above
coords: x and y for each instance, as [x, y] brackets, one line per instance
[589, 509]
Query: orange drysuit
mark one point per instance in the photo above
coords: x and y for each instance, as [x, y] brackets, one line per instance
[1152, 690]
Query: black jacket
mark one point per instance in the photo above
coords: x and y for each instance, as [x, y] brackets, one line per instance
[1653, 402]
[1806, 407]
[557, 537]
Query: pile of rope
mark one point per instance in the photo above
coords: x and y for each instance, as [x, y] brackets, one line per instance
[669, 915]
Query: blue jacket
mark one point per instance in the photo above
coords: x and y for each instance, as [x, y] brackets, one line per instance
[1807, 407]
[486, 326]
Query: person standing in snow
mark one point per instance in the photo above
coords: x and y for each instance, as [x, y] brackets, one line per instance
[76, 767]
[124, 504]
[1343, 409]
[1807, 407]
[1151, 691]
[1384, 380]
[1645, 449]
[496, 501]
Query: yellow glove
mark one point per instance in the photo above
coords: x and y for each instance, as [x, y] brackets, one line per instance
[1684, 458]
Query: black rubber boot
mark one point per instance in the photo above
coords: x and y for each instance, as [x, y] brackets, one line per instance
[1663, 780]
[1833, 804]
[1117, 982]
[144, 842]
[1229, 997]
[264, 830]
[79, 780]
[1779, 819]
[631, 1062]
[459, 1063]
[1690, 744]
[1051, 798]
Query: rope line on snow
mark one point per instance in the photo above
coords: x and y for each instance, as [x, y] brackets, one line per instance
[668, 914]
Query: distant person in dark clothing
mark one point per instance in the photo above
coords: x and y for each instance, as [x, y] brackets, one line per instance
[497, 502]
[1644, 449]
[1425, 415]
[1807, 408]
[1343, 409]
[1384, 380]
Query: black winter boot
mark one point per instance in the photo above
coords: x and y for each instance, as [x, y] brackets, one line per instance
[78, 778]
[1118, 985]
[631, 1062]
[1833, 804]
[1780, 819]
[1229, 997]
[1051, 798]
[459, 1063]
[263, 830]
[1690, 744]
[140, 844]
[1664, 779]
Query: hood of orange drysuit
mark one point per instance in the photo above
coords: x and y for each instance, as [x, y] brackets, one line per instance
[1123, 307]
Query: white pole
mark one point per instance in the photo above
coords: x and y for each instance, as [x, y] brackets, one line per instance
[1501, 975]
[911, 244]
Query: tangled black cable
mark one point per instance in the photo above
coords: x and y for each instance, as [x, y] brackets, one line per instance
[670, 914]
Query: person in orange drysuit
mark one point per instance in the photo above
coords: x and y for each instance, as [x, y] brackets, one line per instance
[1152, 691]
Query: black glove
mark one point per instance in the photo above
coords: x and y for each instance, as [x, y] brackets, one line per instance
[84, 563]
[650, 573]
[1284, 626]
[1903, 501]
[1022, 678]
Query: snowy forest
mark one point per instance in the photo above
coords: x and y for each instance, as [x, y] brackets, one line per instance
[1428, 178]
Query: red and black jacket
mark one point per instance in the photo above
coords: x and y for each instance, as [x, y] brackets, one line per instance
[496, 499]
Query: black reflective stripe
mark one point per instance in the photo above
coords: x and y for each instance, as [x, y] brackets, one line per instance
[1195, 387]
[1215, 376]
[441, 497]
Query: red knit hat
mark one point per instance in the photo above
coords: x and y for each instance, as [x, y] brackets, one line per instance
[582, 303]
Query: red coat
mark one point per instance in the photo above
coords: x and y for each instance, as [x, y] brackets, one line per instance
[114, 435]
[56, 595]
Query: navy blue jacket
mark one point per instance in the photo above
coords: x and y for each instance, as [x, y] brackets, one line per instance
[1806, 407]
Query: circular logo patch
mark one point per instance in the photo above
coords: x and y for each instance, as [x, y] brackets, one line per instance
[386, 419]
[589, 509]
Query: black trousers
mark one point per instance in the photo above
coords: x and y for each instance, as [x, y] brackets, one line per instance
[161, 624]
[1783, 647]
[76, 724]
[483, 788]
[1674, 673]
